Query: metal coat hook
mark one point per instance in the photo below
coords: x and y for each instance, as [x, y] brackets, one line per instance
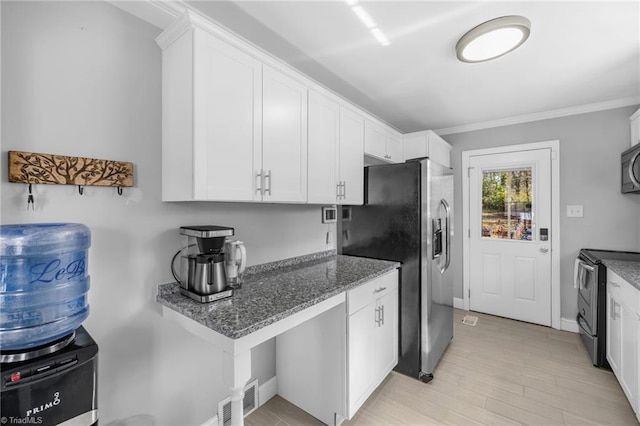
[30, 201]
[81, 189]
[119, 190]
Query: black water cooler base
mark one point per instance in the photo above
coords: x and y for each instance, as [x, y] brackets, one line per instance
[60, 388]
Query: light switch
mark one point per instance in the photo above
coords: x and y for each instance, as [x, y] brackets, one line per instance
[574, 211]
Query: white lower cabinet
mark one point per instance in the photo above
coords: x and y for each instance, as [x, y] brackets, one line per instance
[372, 339]
[623, 323]
[329, 365]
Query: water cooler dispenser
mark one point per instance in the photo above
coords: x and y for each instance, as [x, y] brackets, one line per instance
[48, 361]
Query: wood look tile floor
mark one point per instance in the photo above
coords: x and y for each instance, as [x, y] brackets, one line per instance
[499, 372]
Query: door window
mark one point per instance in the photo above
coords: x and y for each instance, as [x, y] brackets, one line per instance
[507, 204]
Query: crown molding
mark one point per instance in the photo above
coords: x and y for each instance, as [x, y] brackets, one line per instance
[545, 115]
[156, 12]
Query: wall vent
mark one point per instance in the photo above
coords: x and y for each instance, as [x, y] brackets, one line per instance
[249, 402]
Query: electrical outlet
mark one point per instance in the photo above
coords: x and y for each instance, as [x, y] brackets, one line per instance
[574, 211]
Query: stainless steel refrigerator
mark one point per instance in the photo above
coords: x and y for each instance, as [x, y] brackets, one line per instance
[407, 217]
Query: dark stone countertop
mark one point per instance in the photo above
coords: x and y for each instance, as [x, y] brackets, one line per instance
[628, 270]
[275, 290]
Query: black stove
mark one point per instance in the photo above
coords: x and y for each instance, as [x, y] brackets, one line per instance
[596, 256]
[51, 384]
[590, 278]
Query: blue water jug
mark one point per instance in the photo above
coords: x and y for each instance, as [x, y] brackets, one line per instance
[44, 282]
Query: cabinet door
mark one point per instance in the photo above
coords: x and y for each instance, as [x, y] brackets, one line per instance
[227, 92]
[375, 139]
[614, 337]
[415, 145]
[637, 401]
[439, 149]
[323, 149]
[394, 148]
[351, 157]
[284, 137]
[628, 377]
[360, 353]
[386, 342]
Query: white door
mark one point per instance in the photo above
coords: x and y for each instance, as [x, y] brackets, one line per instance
[510, 235]
[284, 137]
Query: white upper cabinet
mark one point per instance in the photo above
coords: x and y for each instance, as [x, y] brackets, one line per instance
[351, 157]
[324, 119]
[427, 144]
[382, 143]
[394, 147]
[336, 148]
[284, 138]
[211, 132]
[238, 125]
[233, 128]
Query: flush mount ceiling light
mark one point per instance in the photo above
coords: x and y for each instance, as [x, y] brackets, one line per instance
[493, 38]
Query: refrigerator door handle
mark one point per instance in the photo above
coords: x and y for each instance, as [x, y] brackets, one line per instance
[447, 237]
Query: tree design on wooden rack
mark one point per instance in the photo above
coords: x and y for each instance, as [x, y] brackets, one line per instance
[30, 167]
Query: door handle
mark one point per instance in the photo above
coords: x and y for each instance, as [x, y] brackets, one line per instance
[544, 249]
[447, 236]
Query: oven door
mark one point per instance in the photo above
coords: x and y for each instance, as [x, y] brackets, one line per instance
[586, 282]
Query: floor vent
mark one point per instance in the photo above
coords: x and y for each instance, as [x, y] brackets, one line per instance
[249, 402]
[470, 320]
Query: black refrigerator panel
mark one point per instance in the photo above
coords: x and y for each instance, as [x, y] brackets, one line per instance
[388, 227]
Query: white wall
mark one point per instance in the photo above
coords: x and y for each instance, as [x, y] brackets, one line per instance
[590, 147]
[84, 79]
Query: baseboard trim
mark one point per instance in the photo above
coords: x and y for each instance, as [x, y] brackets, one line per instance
[567, 324]
[266, 391]
[458, 303]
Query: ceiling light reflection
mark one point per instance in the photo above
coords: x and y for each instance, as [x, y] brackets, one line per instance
[368, 22]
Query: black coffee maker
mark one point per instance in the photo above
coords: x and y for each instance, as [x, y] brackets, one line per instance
[202, 262]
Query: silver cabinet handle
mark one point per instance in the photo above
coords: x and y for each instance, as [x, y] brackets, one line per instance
[614, 311]
[382, 310]
[378, 319]
[344, 189]
[379, 289]
[338, 192]
[341, 189]
[267, 176]
[259, 181]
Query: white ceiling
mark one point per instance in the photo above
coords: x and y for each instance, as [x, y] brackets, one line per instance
[579, 54]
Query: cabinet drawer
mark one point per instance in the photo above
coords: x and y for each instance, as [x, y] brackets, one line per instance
[628, 294]
[361, 296]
